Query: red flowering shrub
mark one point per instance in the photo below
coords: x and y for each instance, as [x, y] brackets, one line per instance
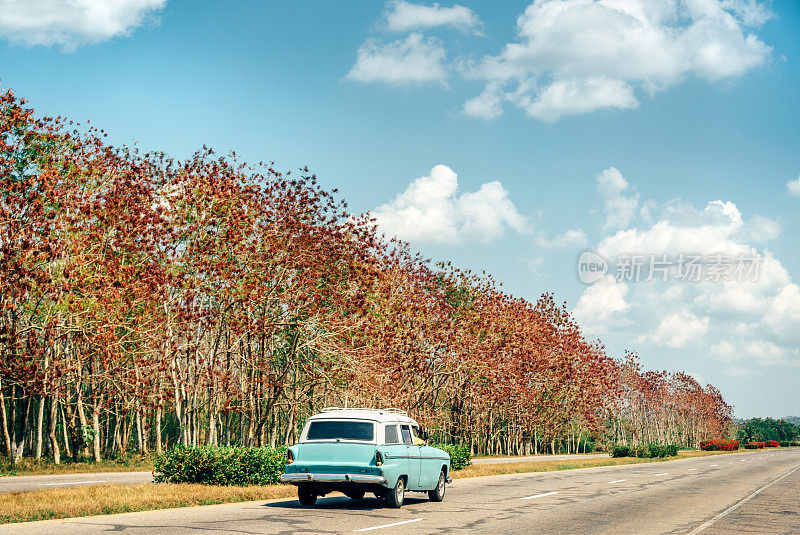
[772, 443]
[719, 444]
[755, 445]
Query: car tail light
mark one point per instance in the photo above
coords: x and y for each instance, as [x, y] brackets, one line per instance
[378, 458]
[289, 457]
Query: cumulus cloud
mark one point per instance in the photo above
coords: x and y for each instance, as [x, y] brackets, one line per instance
[431, 210]
[601, 303]
[579, 56]
[793, 187]
[680, 329]
[575, 238]
[619, 208]
[70, 23]
[403, 16]
[415, 59]
[752, 319]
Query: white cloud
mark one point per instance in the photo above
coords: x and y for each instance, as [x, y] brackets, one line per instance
[755, 319]
[431, 210]
[404, 16]
[680, 329]
[600, 303]
[578, 56]
[414, 59]
[793, 187]
[71, 23]
[575, 238]
[619, 209]
[572, 97]
[783, 315]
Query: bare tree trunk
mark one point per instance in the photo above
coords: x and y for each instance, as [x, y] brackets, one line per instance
[39, 425]
[6, 435]
[64, 425]
[158, 428]
[19, 447]
[54, 447]
[96, 429]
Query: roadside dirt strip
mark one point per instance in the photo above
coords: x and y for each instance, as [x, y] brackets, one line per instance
[747, 492]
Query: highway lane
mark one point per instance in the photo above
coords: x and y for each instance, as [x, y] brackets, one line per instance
[718, 494]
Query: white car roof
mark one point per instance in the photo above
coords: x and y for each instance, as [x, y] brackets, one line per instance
[378, 415]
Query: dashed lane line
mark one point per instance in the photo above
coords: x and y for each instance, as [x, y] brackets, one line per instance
[617, 481]
[664, 474]
[539, 495]
[393, 524]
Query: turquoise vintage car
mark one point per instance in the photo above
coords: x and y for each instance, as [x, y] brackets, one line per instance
[356, 451]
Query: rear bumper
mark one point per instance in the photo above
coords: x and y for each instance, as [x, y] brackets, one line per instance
[365, 479]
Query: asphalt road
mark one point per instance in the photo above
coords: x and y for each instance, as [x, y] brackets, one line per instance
[755, 491]
[18, 483]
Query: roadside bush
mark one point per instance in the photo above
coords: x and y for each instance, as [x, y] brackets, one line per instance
[646, 452]
[772, 443]
[795, 444]
[720, 444]
[620, 451]
[755, 445]
[460, 456]
[785, 443]
[212, 465]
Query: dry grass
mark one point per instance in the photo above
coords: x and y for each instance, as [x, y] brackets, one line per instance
[108, 499]
[551, 466]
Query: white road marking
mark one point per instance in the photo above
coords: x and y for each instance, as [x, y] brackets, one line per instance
[724, 513]
[617, 481]
[692, 469]
[539, 495]
[390, 525]
[664, 474]
[72, 483]
[714, 465]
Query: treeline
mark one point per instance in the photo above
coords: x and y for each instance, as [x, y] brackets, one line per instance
[147, 302]
[764, 429]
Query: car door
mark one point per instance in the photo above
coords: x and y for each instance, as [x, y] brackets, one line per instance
[414, 457]
[397, 454]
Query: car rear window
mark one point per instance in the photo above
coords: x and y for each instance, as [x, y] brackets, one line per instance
[341, 429]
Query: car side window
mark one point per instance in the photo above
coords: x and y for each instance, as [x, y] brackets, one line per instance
[406, 432]
[391, 435]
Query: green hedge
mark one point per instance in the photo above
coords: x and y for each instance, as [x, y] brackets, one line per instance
[211, 465]
[645, 452]
[460, 456]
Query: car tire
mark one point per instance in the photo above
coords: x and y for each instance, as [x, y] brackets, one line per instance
[355, 494]
[394, 498]
[437, 494]
[305, 495]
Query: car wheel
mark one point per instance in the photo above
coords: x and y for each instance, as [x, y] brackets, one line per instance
[355, 494]
[394, 498]
[437, 494]
[306, 495]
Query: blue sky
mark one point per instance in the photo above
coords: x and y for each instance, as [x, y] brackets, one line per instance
[505, 136]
